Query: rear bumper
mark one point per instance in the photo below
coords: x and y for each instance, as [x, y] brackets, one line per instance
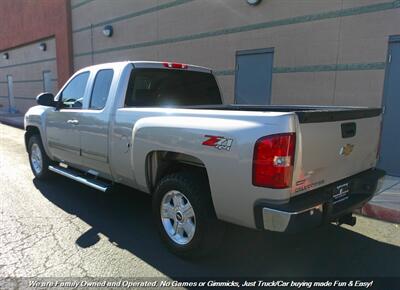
[319, 206]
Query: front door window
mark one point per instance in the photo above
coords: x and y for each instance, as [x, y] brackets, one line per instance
[73, 93]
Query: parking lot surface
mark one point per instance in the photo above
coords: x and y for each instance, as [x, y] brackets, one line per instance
[60, 228]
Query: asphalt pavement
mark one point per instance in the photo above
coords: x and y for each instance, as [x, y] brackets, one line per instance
[60, 228]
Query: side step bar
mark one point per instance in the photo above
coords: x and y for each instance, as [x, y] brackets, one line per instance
[77, 176]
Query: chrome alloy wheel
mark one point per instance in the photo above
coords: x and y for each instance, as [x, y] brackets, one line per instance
[36, 158]
[178, 217]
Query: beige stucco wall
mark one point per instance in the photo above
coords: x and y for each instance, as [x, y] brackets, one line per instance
[359, 38]
[26, 65]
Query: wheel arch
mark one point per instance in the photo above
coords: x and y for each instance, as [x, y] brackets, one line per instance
[160, 163]
[29, 132]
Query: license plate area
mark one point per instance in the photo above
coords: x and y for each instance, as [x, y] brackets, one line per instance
[341, 192]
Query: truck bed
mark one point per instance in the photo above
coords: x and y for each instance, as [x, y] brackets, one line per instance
[332, 142]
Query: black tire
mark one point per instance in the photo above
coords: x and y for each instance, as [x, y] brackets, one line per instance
[208, 230]
[46, 161]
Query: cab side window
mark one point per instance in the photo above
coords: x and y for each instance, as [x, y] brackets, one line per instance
[101, 89]
[73, 93]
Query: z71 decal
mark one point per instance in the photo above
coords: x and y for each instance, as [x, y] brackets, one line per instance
[221, 143]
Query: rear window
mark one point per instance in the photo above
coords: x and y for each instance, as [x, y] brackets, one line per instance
[171, 88]
[101, 89]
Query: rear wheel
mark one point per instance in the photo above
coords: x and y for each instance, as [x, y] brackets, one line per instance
[184, 214]
[38, 158]
[178, 217]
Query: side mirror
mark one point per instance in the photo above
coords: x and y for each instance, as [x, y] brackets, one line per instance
[46, 99]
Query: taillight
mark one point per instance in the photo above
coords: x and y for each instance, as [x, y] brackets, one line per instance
[175, 65]
[273, 160]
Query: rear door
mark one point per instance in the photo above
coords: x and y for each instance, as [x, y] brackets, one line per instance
[11, 102]
[390, 146]
[47, 82]
[62, 125]
[253, 77]
[330, 150]
[94, 124]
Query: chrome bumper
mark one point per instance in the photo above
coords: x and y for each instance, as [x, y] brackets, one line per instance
[279, 221]
[319, 206]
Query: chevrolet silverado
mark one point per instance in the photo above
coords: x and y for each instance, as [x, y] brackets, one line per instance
[161, 128]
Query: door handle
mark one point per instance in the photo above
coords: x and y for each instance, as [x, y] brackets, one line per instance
[73, 122]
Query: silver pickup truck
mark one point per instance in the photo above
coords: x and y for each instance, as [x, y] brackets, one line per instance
[161, 128]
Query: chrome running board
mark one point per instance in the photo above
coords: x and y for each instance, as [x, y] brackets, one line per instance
[77, 176]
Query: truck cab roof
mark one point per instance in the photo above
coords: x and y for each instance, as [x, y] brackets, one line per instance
[149, 64]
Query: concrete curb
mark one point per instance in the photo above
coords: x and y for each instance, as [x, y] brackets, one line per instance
[381, 213]
[12, 120]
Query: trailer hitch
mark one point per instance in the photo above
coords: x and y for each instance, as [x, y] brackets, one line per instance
[348, 219]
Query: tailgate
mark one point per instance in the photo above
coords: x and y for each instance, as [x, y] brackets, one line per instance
[334, 144]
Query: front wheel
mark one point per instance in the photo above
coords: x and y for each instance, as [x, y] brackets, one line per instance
[38, 158]
[184, 214]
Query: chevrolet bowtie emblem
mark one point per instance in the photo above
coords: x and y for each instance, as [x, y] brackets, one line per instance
[346, 149]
